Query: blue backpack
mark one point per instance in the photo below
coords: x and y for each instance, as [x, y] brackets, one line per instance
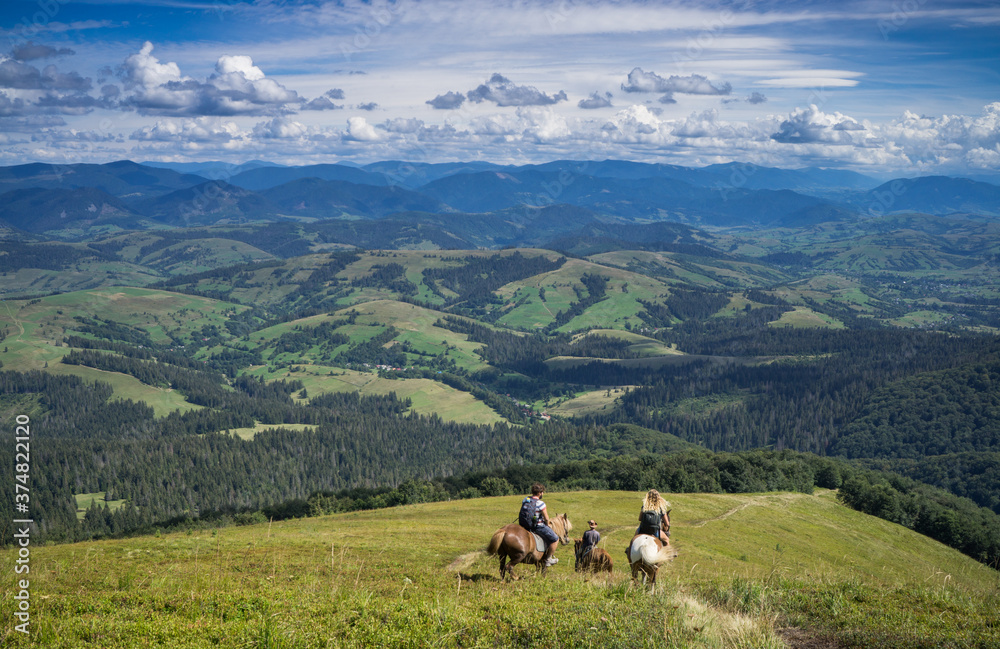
[528, 516]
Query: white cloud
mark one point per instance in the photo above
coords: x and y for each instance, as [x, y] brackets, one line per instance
[360, 130]
[144, 69]
[202, 129]
[238, 87]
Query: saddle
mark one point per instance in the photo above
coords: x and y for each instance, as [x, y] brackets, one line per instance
[539, 543]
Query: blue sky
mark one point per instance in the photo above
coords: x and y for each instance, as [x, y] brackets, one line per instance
[900, 87]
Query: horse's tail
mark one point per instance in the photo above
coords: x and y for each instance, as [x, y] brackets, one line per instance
[495, 542]
[649, 551]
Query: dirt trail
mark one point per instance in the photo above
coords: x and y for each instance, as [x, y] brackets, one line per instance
[17, 323]
[756, 500]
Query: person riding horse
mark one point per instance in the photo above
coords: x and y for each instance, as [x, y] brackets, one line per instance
[534, 517]
[590, 538]
[653, 518]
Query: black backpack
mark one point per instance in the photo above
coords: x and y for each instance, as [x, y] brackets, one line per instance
[649, 523]
[527, 517]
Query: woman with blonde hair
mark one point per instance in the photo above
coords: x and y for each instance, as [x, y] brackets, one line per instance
[654, 518]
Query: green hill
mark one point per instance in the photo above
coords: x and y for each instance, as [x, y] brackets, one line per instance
[752, 570]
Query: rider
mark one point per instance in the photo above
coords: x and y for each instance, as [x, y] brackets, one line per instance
[535, 518]
[653, 517]
[590, 538]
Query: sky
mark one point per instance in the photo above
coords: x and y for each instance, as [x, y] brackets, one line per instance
[893, 87]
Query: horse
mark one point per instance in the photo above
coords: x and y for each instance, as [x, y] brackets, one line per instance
[645, 554]
[517, 544]
[596, 560]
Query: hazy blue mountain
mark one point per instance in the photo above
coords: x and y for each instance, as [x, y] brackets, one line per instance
[125, 179]
[931, 195]
[40, 210]
[333, 198]
[214, 170]
[214, 201]
[629, 197]
[597, 237]
[265, 178]
[415, 174]
[517, 226]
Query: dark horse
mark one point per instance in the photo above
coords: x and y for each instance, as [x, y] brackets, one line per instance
[596, 560]
[645, 554]
[517, 544]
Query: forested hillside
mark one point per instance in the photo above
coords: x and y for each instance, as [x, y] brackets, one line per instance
[234, 363]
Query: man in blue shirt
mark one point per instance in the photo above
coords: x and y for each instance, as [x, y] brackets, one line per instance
[590, 538]
[534, 517]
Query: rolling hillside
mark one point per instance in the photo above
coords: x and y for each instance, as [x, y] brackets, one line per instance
[764, 570]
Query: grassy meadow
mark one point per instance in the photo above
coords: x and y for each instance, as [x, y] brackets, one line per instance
[753, 570]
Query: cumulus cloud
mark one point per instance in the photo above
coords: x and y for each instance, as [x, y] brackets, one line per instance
[369, 106]
[811, 125]
[325, 102]
[30, 51]
[202, 129]
[21, 76]
[280, 128]
[403, 125]
[754, 98]
[595, 100]
[145, 70]
[447, 101]
[695, 84]
[503, 92]
[360, 130]
[238, 87]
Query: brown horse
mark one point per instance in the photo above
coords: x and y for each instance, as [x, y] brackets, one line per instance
[517, 544]
[596, 560]
[645, 554]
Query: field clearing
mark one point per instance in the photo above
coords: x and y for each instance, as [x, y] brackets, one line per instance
[35, 354]
[642, 345]
[704, 406]
[922, 318]
[803, 317]
[568, 362]
[208, 253]
[624, 289]
[428, 396]
[152, 310]
[747, 565]
[589, 403]
[416, 325]
[249, 432]
[83, 502]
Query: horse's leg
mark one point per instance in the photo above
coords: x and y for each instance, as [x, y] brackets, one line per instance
[503, 562]
[514, 560]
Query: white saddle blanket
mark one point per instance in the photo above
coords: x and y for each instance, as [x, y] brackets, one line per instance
[539, 542]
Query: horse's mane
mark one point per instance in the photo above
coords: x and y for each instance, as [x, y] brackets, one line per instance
[562, 520]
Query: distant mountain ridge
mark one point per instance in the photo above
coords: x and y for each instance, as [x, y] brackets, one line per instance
[731, 195]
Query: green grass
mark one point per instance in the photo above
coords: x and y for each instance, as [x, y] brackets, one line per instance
[804, 318]
[588, 403]
[428, 396]
[37, 328]
[83, 502]
[748, 566]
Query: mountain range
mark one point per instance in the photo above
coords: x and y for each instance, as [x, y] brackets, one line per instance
[65, 200]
